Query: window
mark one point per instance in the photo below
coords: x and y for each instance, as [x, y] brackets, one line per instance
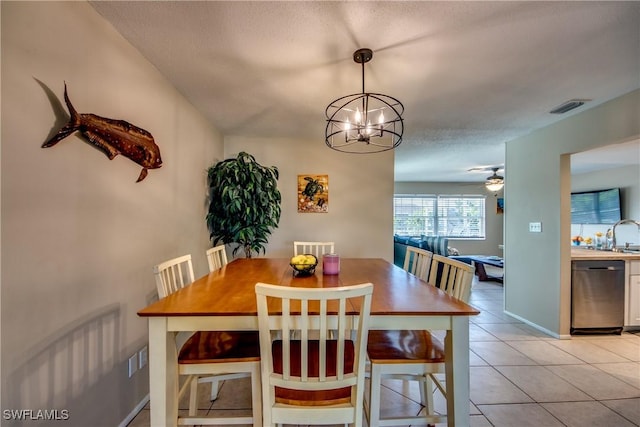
[432, 215]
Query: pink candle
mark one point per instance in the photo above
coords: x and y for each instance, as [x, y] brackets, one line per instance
[330, 264]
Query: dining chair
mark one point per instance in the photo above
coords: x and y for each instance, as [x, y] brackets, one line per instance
[452, 276]
[315, 248]
[417, 262]
[210, 356]
[315, 379]
[173, 275]
[415, 355]
[216, 257]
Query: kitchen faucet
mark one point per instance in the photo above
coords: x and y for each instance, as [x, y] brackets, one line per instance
[613, 231]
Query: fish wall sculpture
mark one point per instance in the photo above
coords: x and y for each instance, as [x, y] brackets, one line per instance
[112, 137]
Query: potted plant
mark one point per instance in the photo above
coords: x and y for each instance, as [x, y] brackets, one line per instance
[244, 203]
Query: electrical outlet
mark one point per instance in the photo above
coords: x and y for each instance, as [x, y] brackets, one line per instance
[535, 227]
[142, 357]
[133, 364]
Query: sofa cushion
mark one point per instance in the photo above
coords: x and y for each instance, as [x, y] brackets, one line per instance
[436, 244]
[400, 239]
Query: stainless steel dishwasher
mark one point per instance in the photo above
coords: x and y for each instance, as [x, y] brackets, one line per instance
[597, 296]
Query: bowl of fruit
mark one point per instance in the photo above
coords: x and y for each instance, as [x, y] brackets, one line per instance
[303, 265]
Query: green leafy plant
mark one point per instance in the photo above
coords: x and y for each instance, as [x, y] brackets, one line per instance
[244, 203]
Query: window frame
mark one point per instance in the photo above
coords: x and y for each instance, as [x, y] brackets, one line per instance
[434, 220]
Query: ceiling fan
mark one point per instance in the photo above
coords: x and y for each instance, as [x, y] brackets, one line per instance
[494, 182]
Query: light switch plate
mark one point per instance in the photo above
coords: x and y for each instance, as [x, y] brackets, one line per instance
[142, 357]
[133, 364]
[535, 227]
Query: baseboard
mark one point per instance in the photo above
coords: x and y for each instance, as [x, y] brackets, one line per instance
[538, 327]
[134, 412]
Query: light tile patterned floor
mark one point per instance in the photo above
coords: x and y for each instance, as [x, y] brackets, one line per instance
[519, 377]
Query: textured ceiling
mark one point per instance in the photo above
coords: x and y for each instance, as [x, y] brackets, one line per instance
[471, 75]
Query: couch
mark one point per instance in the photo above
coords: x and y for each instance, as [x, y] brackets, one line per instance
[437, 245]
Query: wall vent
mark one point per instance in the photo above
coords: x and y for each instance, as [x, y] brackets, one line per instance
[568, 106]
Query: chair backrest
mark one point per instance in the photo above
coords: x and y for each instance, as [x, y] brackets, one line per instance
[173, 274]
[320, 369]
[452, 276]
[417, 262]
[217, 257]
[316, 248]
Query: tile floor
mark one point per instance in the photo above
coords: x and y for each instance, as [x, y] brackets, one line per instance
[519, 376]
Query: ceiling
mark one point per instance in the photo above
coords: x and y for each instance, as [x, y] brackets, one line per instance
[471, 75]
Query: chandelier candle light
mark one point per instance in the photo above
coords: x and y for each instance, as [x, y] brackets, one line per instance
[364, 122]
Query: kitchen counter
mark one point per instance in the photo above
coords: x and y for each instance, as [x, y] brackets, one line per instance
[587, 254]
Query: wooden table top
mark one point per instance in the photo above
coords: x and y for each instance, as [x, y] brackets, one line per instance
[230, 291]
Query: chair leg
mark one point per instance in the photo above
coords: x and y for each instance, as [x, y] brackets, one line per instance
[215, 388]
[423, 393]
[375, 384]
[428, 389]
[427, 386]
[256, 395]
[193, 397]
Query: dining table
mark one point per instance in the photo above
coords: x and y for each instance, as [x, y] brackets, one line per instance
[225, 300]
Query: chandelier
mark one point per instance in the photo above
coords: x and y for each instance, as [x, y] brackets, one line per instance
[364, 122]
[495, 182]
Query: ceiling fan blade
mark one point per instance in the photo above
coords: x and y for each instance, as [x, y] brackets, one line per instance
[486, 168]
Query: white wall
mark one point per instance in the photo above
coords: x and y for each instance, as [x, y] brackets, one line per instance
[79, 235]
[360, 217]
[537, 273]
[493, 220]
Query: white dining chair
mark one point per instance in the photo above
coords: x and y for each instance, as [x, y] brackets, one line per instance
[452, 276]
[210, 356]
[315, 248]
[415, 355]
[216, 257]
[173, 275]
[313, 380]
[417, 262]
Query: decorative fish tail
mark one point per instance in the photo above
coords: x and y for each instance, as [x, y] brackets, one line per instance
[72, 126]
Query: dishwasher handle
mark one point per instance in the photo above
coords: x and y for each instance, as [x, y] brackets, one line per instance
[598, 265]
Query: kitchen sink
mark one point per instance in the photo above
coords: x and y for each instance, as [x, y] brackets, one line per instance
[627, 250]
[619, 250]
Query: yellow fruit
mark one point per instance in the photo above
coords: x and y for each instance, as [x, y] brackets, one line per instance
[298, 259]
[309, 259]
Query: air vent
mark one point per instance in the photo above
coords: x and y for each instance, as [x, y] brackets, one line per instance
[568, 106]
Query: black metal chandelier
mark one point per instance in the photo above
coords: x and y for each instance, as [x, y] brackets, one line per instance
[364, 122]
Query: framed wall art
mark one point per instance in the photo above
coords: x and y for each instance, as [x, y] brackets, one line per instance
[313, 193]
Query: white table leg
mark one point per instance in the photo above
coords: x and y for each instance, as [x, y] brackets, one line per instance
[163, 374]
[457, 372]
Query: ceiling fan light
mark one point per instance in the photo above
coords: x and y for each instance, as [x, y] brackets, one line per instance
[495, 182]
[494, 185]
